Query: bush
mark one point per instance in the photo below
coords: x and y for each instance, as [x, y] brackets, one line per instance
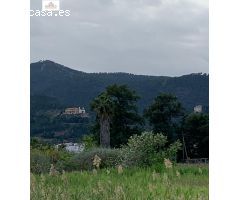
[39, 162]
[148, 149]
[143, 150]
[42, 156]
[109, 158]
[89, 141]
[63, 160]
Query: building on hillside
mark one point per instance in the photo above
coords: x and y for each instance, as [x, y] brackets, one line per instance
[198, 109]
[74, 111]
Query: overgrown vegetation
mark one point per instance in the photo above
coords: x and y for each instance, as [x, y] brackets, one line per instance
[109, 158]
[143, 150]
[123, 158]
[148, 149]
[43, 155]
[138, 170]
[181, 182]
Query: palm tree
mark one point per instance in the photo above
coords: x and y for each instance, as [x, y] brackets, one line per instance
[103, 106]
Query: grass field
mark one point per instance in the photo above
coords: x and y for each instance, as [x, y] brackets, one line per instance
[180, 182]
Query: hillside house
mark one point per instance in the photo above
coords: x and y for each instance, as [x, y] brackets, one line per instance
[74, 111]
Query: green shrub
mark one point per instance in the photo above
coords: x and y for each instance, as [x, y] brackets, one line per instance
[39, 162]
[143, 150]
[171, 151]
[43, 156]
[109, 158]
[148, 149]
[89, 141]
[63, 161]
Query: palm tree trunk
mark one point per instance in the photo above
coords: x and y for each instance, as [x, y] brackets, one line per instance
[105, 131]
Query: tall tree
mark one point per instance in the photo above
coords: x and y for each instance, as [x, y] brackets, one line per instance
[125, 120]
[103, 106]
[195, 129]
[163, 113]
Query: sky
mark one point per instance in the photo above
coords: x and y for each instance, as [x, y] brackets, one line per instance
[151, 37]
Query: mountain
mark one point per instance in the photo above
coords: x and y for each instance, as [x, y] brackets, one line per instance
[76, 88]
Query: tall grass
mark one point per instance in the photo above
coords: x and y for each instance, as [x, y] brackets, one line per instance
[181, 182]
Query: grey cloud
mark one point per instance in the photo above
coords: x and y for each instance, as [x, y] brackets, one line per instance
[137, 36]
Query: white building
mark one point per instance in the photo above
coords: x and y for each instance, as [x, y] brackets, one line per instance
[198, 109]
[75, 111]
[81, 111]
[72, 147]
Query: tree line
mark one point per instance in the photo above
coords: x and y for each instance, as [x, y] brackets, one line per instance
[117, 118]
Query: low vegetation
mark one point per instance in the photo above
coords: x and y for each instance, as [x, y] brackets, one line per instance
[142, 150]
[181, 182]
[142, 169]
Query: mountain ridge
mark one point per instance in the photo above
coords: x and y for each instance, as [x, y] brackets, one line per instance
[72, 87]
[44, 62]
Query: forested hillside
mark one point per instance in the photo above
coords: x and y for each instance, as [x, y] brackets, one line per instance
[76, 88]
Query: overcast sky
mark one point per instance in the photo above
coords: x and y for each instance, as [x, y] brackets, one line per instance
[153, 37]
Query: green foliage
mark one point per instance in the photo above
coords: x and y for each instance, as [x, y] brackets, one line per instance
[42, 102]
[171, 151]
[162, 114]
[42, 155]
[48, 101]
[38, 144]
[103, 105]
[125, 120]
[74, 88]
[133, 183]
[142, 150]
[193, 169]
[39, 162]
[195, 128]
[122, 110]
[148, 149]
[109, 158]
[48, 122]
[89, 141]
